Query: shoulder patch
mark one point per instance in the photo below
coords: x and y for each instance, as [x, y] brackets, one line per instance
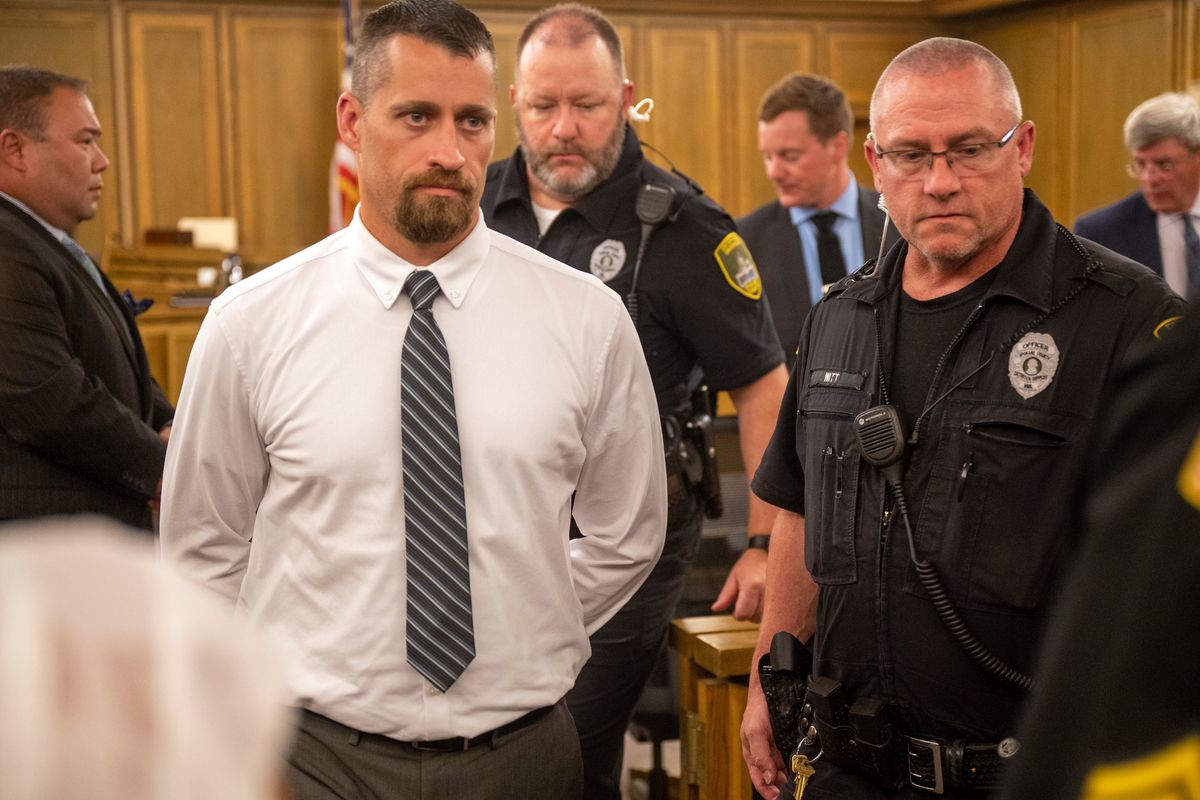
[1188, 482]
[738, 267]
[1165, 326]
[1172, 773]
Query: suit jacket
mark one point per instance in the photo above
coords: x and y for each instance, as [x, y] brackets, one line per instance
[79, 412]
[775, 244]
[1127, 226]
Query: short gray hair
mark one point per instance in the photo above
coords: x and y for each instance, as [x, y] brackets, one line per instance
[943, 54]
[1173, 114]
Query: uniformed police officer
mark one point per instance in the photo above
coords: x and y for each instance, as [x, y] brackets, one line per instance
[1116, 713]
[991, 331]
[573, 189]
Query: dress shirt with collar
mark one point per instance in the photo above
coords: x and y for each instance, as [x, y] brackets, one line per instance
[1174, 254]
[846, 227]
[283, 488]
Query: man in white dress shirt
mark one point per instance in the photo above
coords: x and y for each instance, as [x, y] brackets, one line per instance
[285, 486]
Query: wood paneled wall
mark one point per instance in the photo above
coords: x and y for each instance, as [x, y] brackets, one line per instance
[215, 107]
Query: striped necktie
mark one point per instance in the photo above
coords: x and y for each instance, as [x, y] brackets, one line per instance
[1191, 246]
[440, 634]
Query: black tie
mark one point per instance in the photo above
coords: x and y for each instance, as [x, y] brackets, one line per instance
[440, 633]
[829, 250]
[1191, 245]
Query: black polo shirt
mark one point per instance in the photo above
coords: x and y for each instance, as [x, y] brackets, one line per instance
[696, 306]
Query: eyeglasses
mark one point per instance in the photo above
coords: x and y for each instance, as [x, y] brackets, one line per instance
[1167, 166]
[967, 158]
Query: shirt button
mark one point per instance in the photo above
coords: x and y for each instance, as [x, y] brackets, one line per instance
[389, 295]
[454, 294]
[433, 692]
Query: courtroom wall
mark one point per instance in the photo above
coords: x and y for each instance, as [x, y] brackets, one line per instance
[226, 108]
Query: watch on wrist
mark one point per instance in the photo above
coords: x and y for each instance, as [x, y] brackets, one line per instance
[759, 541]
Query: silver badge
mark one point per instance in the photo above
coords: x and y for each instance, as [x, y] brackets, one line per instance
[1033, 363]
[607, 259]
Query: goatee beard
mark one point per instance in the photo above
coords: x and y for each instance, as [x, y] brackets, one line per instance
[433, 220]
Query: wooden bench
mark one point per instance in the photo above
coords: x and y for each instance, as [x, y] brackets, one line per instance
[714, 660]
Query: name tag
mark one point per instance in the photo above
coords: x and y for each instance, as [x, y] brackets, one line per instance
[835, 379]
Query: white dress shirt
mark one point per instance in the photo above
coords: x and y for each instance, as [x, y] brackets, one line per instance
[1174, 251]
[283, 485]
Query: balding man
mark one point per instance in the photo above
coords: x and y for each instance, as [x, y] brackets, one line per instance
[579, 190]
[931, 433]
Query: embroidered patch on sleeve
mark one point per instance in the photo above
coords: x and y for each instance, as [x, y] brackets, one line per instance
[1172, 773]
[1188, 482]
[738, 267]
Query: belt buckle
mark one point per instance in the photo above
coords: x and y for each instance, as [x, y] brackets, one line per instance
[918, 771]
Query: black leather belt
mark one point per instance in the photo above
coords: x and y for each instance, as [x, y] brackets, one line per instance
[935, 765]
[457, 743]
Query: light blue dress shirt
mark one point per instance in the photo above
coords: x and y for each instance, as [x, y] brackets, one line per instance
[847, 228]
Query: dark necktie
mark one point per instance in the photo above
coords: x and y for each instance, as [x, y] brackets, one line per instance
[1191, 246]
[829, 250]
[440, 634]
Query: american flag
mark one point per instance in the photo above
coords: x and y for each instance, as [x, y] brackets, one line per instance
[343, 167]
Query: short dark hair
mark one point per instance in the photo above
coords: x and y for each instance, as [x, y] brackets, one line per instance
[25, 92]
[441, 22]
[580, 23]
[826, 105]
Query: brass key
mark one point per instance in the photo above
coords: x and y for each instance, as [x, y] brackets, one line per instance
[803, 769]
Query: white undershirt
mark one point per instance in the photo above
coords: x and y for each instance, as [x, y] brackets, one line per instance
[288, 434]
[1174, 252]
[545, 217]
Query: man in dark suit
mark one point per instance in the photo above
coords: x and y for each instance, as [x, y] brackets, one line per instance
[83, 426]
[1158, 225]
[824, 224]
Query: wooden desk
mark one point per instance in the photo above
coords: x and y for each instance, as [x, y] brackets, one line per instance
[714, 653]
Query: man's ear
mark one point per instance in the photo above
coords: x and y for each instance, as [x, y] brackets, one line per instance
[873, 160]
[349, 116]
[12, 149]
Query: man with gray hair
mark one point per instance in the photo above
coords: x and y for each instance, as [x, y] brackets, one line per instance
[1158, 225]
[929, 438]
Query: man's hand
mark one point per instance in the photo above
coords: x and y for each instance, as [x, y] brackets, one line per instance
[758, 746]
[165, 433]
[746, 585]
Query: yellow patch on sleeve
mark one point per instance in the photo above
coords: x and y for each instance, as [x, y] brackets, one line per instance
[1172, 773]
[1188, 481]
[738, 267]
[1165, 326]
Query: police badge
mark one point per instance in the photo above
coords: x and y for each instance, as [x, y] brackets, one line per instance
[1032, 364]
[607, 259]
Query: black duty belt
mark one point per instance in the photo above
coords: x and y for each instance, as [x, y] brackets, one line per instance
[935, 765]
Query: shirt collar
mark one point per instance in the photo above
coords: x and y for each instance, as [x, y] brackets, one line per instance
[598, 206]
[57, 233]
[846, 205]
[1025, 273]
[386, 272]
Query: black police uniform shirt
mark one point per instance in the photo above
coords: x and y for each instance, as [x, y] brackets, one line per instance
[989, 477]
[1117, 710]
[700, 297]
